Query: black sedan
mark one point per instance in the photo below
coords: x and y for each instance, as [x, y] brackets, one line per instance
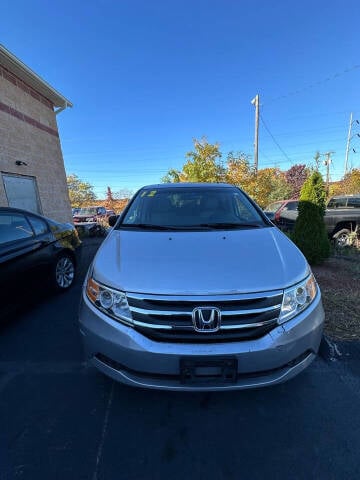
[35, 250]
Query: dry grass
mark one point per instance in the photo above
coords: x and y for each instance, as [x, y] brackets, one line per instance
[339, 280]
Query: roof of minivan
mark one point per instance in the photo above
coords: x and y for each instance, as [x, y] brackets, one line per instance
[189, 184]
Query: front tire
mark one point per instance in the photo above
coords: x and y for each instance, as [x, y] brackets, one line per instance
[63, 272]
[342, 238]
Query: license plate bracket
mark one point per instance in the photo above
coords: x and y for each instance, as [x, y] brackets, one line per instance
[215, 371]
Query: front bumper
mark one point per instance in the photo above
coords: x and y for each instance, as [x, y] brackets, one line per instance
[131, 358]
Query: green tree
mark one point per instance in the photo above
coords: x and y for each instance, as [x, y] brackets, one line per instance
[239, 172]
[265, 186]
[172, 176]
[80, 193]
[268, 185]
[349, 184]
[202, 165]
[352, 181]
[313, 191]
[310, 232]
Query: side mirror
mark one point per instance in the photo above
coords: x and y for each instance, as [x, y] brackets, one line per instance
[112, 220]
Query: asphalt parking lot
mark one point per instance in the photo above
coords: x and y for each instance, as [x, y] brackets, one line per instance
[60, 419]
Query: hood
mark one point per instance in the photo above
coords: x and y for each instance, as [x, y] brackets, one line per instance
[199, 263]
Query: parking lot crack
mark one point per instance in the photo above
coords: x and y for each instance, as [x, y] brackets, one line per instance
[103, 432]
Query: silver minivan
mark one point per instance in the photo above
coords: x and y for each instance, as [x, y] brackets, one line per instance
[195, 289]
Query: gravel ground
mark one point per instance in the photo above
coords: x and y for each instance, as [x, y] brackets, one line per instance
[338, 278]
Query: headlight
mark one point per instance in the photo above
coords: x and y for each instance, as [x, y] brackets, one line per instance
[297, 298]
[112, 302]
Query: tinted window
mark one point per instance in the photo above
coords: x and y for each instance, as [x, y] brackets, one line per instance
[191, 207]
[87, 211]
[291, 206]
[337, 203]
[38, 225]
[273, 207]
[354, 202]
[14, 226]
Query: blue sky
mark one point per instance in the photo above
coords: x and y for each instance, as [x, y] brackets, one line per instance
[146, 77]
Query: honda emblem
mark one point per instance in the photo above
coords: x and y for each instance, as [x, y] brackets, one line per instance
[206, 319]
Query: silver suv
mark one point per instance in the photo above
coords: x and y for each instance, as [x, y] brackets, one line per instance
[195, 289]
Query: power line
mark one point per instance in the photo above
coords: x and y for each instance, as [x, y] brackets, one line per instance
[315, 84]
[314, 115]
[312, 130]
[318, 142]
[274, 140]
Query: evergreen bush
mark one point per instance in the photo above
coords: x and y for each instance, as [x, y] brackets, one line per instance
[310, 232]
[313, 191]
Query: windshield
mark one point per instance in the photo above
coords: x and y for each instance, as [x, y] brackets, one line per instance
[191, 207]
[87, 211]
[273, 207]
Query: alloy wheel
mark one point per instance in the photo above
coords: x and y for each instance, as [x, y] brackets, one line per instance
[65, 272]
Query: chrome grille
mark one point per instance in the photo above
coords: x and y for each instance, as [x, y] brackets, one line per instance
[169, 318]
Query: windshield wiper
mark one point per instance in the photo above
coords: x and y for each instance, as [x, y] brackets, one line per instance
[215, 225]
[220, 225]
[147, 226]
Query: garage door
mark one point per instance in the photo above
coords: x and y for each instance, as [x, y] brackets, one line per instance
[22, 192]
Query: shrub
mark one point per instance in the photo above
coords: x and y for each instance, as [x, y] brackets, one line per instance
[313, 191]
[310, 232]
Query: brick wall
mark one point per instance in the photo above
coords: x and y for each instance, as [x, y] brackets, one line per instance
[28, 132]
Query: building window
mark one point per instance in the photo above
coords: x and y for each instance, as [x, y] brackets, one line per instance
[22, 192]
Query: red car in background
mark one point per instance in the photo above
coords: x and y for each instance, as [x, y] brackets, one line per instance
[90, 215]
[283, 213]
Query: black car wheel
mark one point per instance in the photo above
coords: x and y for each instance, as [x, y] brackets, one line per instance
[64, 272]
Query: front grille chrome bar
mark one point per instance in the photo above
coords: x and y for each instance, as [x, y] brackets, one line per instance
[203, 298]
[188, 327]
[248, 325]
[170, 317]
[152, 325]
[224, 313]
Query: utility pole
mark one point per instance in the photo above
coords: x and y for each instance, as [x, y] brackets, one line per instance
[348, 145]
[327, 162]
[256, 101]
[350, 137]
[317, 160]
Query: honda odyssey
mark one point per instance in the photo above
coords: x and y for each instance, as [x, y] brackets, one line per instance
[195, 289]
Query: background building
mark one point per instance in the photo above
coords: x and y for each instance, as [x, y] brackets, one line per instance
[32, 173]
